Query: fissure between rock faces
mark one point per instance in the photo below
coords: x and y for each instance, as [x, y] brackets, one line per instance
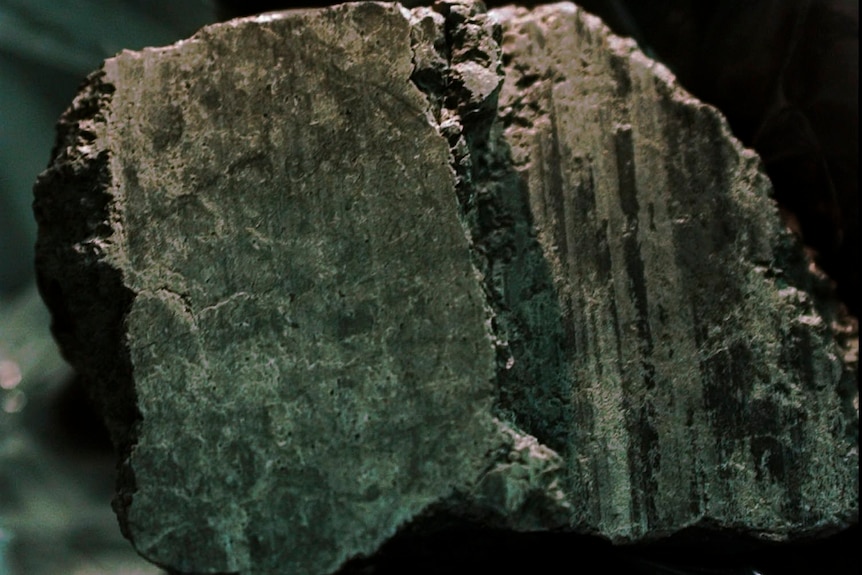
[458, 61]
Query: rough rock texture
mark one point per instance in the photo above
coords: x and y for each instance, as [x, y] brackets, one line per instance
[329, 275]
[688, 381]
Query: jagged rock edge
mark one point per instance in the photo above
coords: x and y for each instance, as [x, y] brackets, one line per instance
[84, 266]
[466, 124]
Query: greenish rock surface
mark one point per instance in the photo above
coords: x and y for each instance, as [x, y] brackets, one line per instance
[334, 272]
[670, 350]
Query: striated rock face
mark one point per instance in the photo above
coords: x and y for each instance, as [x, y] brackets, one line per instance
[331, 272]
[682, 371]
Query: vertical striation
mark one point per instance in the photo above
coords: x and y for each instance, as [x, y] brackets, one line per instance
[694, 378]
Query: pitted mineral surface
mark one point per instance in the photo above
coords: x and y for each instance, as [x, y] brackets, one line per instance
[333, 272]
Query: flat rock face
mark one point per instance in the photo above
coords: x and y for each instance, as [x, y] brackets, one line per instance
[331, 272]
[307, 339]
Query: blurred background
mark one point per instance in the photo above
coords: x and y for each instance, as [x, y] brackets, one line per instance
[56, 463]
[785, 72]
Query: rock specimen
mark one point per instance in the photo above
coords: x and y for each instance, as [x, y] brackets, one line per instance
[333, 272]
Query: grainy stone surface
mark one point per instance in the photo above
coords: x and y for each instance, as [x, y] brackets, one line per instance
[329, 274]
[268, 227]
